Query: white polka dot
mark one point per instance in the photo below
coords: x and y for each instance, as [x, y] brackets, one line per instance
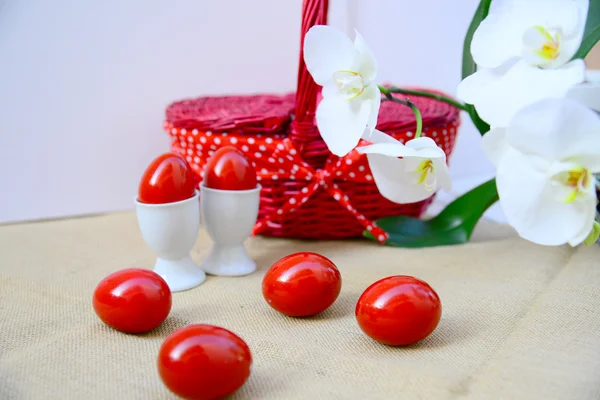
[210, 153]
[224, 134]
[174, 131]
[345, 198]
[351, 174]
[213, 147]
[316, 186]
[445, 131]
[194, 132]
[190, 151]
[295, 167]
[274, 177]
[183, 144]
[361, 168]
[335, 186]
[304, 190]
[281, 160]
[304, 200]
[189, 158]
[292, 209]
[199, 146]
[190, 139]
[369, 228]
[233, 140]
[253, 164]
[280, 211]
[280, 146]
[308, 177]
[259, 135]
[244, 148]
[271, 160]
[183, 131]
[269, 140]
[293, 151]
[292, 177]
[251, 140]
[263, 171]
[262, 147]
[258, 155]
[369, 177]
[196, 160]
[434, 133]
[337, 196]
[258, 178]
[322, 182]
[292, 201]
[348, 161]
[339, 173]
[281, 171]
[217, 140]
[202, 139]
[208, 133]
[452, 130]
[290, 158]
[409, 134]
[381, 237]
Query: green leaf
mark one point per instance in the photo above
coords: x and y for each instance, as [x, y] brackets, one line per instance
[591, 34]
[468, 65]
[454, 225]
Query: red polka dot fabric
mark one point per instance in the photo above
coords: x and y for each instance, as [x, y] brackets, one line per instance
[275, 158]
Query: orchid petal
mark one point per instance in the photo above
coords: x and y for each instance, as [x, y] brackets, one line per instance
[394, 181]
[342, 123]
[531, 207]
[367, 64]
[326, 50]
[482, 83]
[558, 129]
[372, 94]
[498, 101]
[494, 144]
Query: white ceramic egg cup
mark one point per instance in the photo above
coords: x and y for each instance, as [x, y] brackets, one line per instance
[170, 230]
[229, 216]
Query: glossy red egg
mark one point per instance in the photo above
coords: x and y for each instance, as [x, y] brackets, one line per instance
[228, 169]
[168, 179]
[398, 310]
[203, 362]
[302, 284]
[132, 300]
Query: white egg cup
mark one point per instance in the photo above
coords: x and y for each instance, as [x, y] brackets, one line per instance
[170, 230]
[229, 216]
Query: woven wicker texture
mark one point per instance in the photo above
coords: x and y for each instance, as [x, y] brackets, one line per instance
[199, 126]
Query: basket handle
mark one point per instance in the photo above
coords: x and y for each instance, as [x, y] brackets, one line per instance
[303, 129]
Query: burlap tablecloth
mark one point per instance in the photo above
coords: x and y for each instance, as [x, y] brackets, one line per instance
[519, 321]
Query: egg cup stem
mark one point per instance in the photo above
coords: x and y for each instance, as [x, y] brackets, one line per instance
[181, 274]
[230, 260]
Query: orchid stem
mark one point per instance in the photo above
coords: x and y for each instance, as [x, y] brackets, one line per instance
[407, 103]
[430, 95]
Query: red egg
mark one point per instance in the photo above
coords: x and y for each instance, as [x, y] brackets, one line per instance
[398, 310]
[132, 300]
[228, 169]
[302, 284]
[203, 362]
[168, 179]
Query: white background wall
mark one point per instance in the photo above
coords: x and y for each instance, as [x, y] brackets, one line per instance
[84, 84]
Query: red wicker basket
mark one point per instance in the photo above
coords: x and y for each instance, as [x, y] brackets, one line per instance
[307, 192]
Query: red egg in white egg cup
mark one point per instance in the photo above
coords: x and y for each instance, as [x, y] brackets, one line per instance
[229, 216]
[170, 230]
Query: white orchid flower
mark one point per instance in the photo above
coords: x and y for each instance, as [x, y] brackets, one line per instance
[522, 51]
[346, 71]
[420, 172]
[545, 159]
